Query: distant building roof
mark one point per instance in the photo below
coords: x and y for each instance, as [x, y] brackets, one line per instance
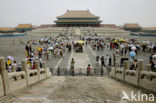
[132, 25]
[109, 25]
[86, 20]
[47, 25]
[7, 29]
[24, 26]
[78, 14]
[148, 29]
[121, 26]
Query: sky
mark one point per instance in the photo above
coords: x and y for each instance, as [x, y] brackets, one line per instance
[37, 12]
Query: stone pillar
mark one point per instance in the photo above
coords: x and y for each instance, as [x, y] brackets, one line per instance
[14, 68]
[46, 69]
[115, 68]
[140, 65]
[139, 69]
[4, 74]
[148, 67]
[25, 68]
[124, 69]
[37, 67]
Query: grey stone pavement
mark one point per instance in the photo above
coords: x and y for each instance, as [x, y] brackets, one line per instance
[67, 89]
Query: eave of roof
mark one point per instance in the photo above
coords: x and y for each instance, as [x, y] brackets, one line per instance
[56, 21]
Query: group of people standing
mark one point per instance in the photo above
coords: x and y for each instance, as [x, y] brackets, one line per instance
[109, 60]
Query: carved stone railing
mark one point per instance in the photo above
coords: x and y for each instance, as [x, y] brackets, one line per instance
[139, 78]
[33, 77]
[17, 78]
[1, 87]
[131, 73]
[42, 74]
[119, 74]
[131, 76]
[147, 80]
[10, 82]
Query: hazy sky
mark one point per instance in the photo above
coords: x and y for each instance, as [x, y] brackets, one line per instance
[13, 12]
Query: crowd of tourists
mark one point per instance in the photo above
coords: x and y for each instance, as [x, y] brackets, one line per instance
[46, 48]
[123, 47]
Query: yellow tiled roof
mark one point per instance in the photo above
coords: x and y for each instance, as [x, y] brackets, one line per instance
[149, 29]
[24, 26]
[78, 20]
[78, 14]
[132, 25]
[7, 29]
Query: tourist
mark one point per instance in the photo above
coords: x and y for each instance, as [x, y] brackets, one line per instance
[72, 66]
[40, 54]
[110, 60]
[154, 49]
[9, 68]
[97, 60]
[102, 61]
[88, 70]
[134, 65]
[61, 53]
[107, 60]
[19, 67]
[151, 58]
[40, 61]
[14, 63]
[8, 64]
[33, 65]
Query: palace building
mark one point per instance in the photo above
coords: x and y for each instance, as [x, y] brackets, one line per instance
[24, 27]
[77, 18]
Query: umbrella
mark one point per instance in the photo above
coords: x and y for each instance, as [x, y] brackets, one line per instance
[38, 48]
[80, 42]
[123, 40]
[133, 48]
[131, 45]
[121, 46]
[51, 47]
[137, 45]
[115, 41]
[11, 58]
[132, 54]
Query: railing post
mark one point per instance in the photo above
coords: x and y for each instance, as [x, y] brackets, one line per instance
[124, 69]
[25, 68]
[46, 69]
[4, 74]
[37, 68]
[139, 69]
[115, 68]
[148, 67]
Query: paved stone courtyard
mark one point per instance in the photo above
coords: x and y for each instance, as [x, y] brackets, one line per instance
[67, 89]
